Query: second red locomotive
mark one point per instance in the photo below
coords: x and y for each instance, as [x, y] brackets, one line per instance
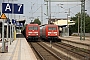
[32, 32]
[50, 32]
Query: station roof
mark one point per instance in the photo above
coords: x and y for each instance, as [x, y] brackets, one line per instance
[21, 20]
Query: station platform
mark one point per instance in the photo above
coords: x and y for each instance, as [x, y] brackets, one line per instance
[77, 39]
[18, 50]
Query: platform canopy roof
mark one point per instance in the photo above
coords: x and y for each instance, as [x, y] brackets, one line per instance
[63, 0]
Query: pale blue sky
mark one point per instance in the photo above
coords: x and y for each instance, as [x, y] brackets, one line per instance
[57, 11]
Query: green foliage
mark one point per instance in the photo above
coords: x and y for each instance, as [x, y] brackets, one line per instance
[87, 25]
[74, 28]
[37, 21]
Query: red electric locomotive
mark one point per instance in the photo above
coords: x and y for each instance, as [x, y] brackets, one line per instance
[50, 32]
[32, 32]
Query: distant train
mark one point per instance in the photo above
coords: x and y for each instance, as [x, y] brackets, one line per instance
[31, 32]
[49, 32]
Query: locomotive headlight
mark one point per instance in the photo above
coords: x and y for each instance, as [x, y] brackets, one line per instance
[28, 34]
[55, 34]
[48, 34]
[36, 34]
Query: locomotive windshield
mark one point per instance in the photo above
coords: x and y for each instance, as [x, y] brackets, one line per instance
[32, 28]
[52, 28]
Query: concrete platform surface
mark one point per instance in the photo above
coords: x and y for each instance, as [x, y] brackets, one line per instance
[18, 50]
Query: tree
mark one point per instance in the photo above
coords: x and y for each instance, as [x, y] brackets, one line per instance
[87, 25]
[74, 28]
[37, 21]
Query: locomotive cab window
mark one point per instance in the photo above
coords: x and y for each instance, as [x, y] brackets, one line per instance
[32, 28]
[35, 28]
[52, 28]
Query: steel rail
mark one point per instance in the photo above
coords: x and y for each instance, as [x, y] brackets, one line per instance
[50, 52]
[86, 51]
[71, 51]
[41, 57]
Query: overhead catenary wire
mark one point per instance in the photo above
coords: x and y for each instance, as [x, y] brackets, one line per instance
[37, 9]
[68, 7]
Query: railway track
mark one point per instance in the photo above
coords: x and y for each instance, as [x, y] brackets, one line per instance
[43, 52]
[81, 54]
[76, 48]
[77, 44]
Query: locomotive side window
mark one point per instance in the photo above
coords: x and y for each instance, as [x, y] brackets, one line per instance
[52, 28]
[32, 28]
